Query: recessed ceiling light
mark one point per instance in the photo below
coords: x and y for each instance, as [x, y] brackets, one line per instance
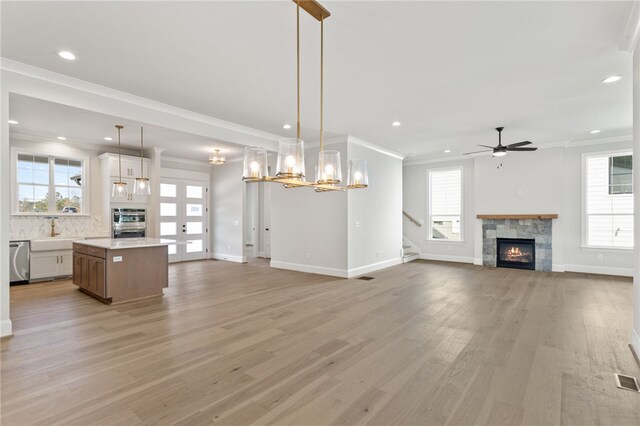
[612, 79]
[286, 126]
[593, 132]
[108, 138]
[13, 122]
[396, 123]
[62, 138]
[446, 151]
[65, 54]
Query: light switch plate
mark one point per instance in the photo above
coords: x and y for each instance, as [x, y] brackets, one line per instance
[117, 258]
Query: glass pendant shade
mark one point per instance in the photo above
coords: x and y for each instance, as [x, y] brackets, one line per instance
[255, 163]
[290, 162]
[142, 186]
[329, 169]
[358, 176]
[119, 190]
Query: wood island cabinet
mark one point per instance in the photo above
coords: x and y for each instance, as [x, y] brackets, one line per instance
[120, 274]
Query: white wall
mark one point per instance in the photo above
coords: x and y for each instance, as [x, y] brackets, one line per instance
[415, 196]
[529, 182]
[316, 232]
[544, 181]
[309, 229]
[635, 334]
[226, 212]
[377, 210]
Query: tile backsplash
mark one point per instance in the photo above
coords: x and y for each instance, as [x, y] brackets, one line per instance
[34, 227]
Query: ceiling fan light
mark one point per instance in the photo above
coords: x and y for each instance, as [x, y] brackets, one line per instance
[255, 163]
[290, 164]
[499, 153]
[329, 169]
[358, 176]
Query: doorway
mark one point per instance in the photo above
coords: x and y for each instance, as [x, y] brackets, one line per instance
[183, 217]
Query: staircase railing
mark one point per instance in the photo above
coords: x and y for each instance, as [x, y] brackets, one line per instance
[411, 218]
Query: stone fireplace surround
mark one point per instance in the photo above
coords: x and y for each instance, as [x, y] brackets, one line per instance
[534, 226]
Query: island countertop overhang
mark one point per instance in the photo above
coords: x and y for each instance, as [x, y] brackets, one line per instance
[126, 243]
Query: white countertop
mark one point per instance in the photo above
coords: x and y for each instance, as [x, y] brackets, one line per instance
[126, 243]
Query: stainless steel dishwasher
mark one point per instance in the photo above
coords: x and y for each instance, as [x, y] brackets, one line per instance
[19, 253]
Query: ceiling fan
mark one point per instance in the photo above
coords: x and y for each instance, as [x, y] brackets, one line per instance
[501, 150]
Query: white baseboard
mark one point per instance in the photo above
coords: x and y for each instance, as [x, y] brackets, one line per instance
[604, 270]
[557, 268]
[635, 341]
[354, 272]
[6, 328]
[447, 258]
[477, 261]
[311, 269]
[335, 272]
[229, 257]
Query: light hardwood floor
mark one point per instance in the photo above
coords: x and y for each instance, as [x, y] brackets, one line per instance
[425, 343]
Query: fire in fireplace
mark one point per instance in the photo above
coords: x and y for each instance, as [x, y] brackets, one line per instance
[516, 253]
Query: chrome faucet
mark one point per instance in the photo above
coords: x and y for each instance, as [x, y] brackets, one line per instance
[53, 227]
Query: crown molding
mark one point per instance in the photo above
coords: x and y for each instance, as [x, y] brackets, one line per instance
[75, 143]
[559, 144]
[631, 34]
[52, 77]
[357, 141]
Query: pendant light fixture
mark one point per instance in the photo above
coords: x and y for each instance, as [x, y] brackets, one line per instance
[216, 158]
[290, 163]
[142, 186]
[120, 187]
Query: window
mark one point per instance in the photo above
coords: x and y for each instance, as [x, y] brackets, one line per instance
[608, 200]
[48, 184]
[445, 204]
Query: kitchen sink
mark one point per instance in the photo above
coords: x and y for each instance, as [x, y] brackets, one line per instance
[46, 244]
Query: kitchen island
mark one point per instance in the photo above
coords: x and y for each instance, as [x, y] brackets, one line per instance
[120, 270]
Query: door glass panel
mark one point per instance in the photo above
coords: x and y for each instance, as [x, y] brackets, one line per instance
[168, 190]
[168, 209]
[194, 191]
[194, 209]
[194, 227]
[168, 228]
[194, 246]
[173, 249]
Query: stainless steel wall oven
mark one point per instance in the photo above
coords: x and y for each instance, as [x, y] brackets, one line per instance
[128, 223]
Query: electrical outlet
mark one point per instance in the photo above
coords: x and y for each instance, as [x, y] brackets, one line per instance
[308, 255]
[600, 256]
[377, 254]
[356, 224]
[229, 247]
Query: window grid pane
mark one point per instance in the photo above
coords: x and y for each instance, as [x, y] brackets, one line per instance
[609, 201]
[445, 204]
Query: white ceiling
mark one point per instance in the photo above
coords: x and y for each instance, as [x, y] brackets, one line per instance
[449, 71]
[46, 121]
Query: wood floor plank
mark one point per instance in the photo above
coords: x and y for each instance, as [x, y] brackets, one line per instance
[424, 343]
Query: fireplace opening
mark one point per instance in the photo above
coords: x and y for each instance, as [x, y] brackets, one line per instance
[516, 253]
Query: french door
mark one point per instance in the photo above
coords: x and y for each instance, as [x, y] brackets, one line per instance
[183, 217]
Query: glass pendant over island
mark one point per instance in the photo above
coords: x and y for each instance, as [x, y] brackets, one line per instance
[119, 189]
[290, 167]
[142, 186]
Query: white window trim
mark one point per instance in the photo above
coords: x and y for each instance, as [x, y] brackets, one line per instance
[583, 195]
[86, 172]
[462, 221]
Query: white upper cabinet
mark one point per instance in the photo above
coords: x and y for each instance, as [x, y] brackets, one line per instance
[130, 167]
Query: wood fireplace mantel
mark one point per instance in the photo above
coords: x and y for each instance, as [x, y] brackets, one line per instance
[518, 216]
